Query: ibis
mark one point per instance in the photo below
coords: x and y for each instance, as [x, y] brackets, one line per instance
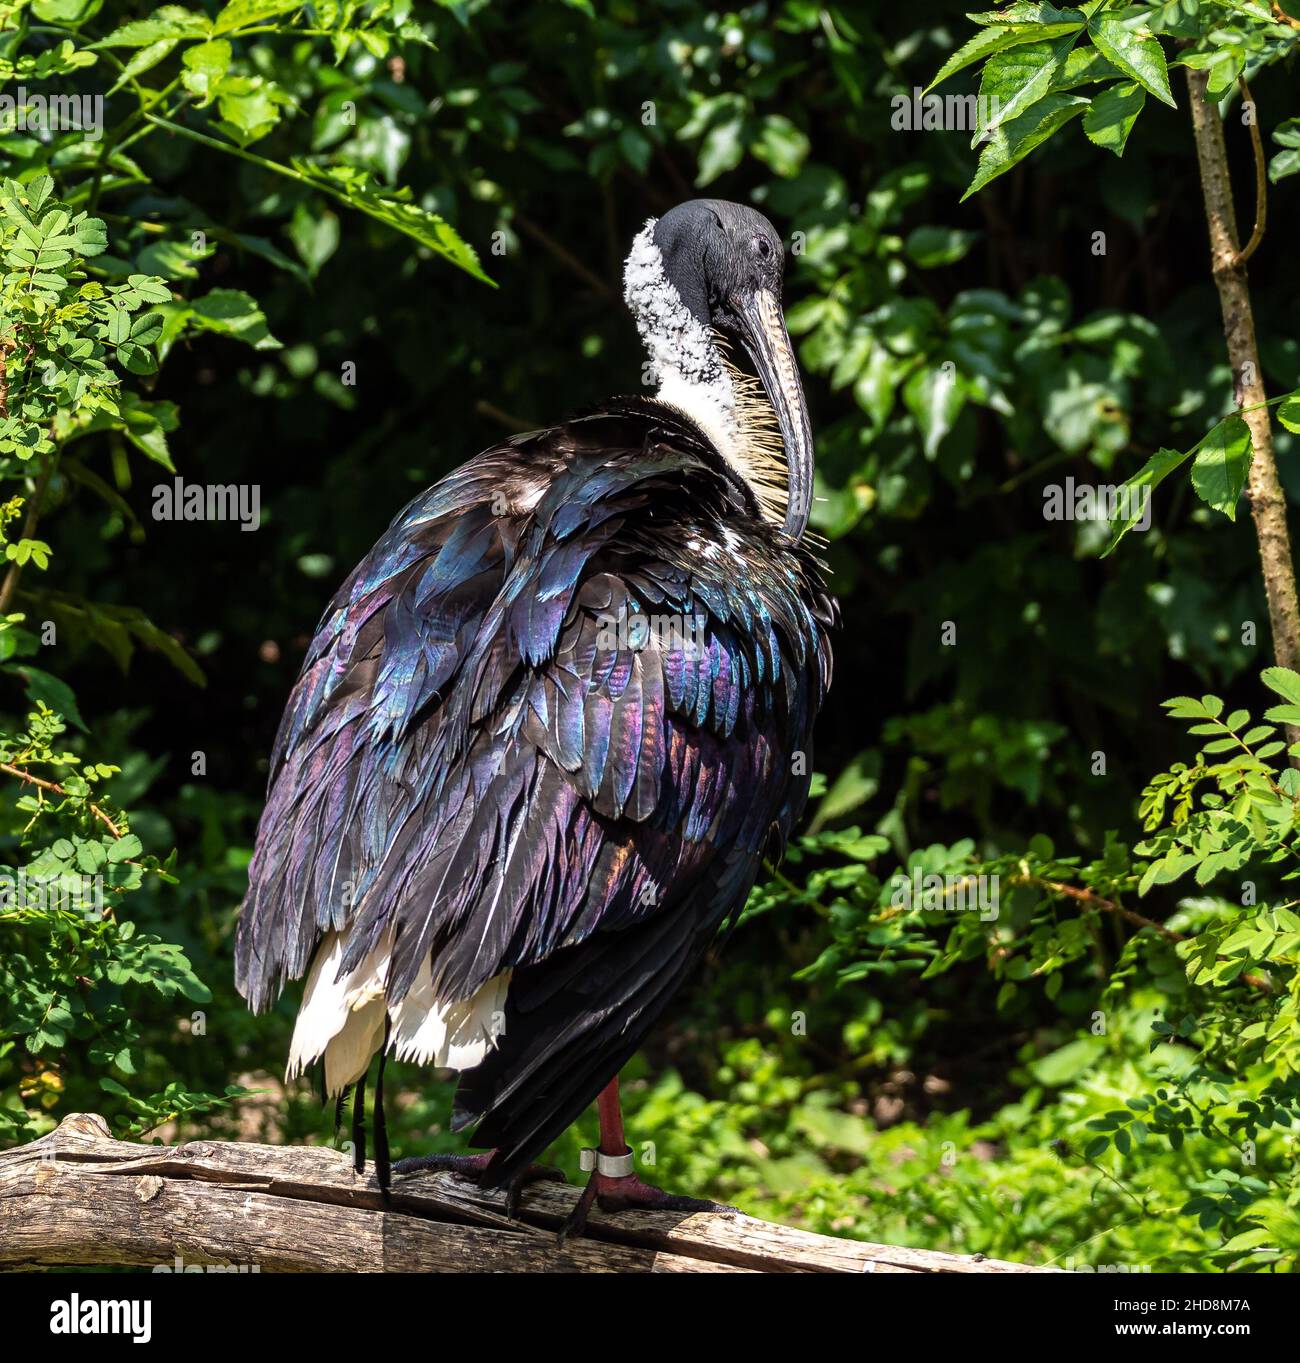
[549, 728]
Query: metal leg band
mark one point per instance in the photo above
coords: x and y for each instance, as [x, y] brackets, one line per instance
[612, 1166]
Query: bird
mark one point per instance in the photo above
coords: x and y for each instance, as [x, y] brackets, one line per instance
[549, 728]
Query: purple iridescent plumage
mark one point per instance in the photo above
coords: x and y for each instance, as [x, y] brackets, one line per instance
[487, 752]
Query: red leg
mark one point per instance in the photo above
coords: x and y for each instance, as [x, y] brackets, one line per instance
[619, 1192]
[610, 1112]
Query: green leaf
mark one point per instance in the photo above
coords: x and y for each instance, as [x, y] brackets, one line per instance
[1250, 1239]
[231, 312]
[1083, 66]
[1135, 494]
[137, 358]
[1139, 56]
[147, 328]
[935, 398]
[1068, 1062]
[1110, 119]
[205, 65]
[990, 40]
[250, 106]
[1013, 141]
[1287, 162]
[934, 246]
[1289, 413]
[91, 237]
[244, 13]
[1283, 681]
[852, 788]
[1222, 462]
[1017, 78]
[65, 11]
[314, 231]
[144, 60]
[118, 326]
[355, 188]
[125, 848]
[171, 21]
[150, 289]
[781, 145]
[43, 688]
[720, 151]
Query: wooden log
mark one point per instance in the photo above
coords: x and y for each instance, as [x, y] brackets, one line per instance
[77, 1196]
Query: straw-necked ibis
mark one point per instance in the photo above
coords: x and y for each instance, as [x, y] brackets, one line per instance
[549, 727]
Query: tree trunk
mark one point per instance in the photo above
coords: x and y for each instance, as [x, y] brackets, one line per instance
[1263, 490]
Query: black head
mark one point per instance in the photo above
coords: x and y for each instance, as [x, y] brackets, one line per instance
[716, 254]
[725, 261]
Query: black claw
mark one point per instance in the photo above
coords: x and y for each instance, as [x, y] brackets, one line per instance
[664, 1202]
[576, 1221]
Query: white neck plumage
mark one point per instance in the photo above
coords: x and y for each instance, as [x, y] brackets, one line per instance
[689, 364]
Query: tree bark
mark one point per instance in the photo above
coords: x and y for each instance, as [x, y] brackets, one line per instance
[77, 1196]
[1263, 490]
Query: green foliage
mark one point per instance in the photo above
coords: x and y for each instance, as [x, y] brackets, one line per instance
[1197, 1028]
[72, 964]
[1032, 55]
[1094, 1065]
[87, 314]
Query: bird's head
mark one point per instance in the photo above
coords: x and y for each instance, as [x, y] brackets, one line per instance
[722, 264]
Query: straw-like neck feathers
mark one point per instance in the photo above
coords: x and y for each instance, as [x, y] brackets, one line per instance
[694, 374]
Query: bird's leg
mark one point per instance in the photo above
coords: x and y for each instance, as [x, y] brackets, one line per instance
[620, 1189]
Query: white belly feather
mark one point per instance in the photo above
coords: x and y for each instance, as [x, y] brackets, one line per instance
[343, 1019]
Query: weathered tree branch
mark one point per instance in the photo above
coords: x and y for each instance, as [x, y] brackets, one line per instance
[1263, 490]
[77, 1196]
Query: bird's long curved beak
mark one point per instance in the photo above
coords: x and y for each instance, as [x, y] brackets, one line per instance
[764, 336]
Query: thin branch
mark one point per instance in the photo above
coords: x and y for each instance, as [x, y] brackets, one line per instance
[569, 261]
[1095, 901]
[1282, 17]
[29, 530]
[1261, 177]
[6, 346]
[511, 423]
[57, 789]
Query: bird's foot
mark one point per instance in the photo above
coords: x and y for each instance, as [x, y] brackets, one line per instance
[629, 1193]
[626, 1192]
[472, 1168]
[468, 1166]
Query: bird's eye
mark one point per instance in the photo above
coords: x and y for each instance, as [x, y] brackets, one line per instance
[763, 247]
